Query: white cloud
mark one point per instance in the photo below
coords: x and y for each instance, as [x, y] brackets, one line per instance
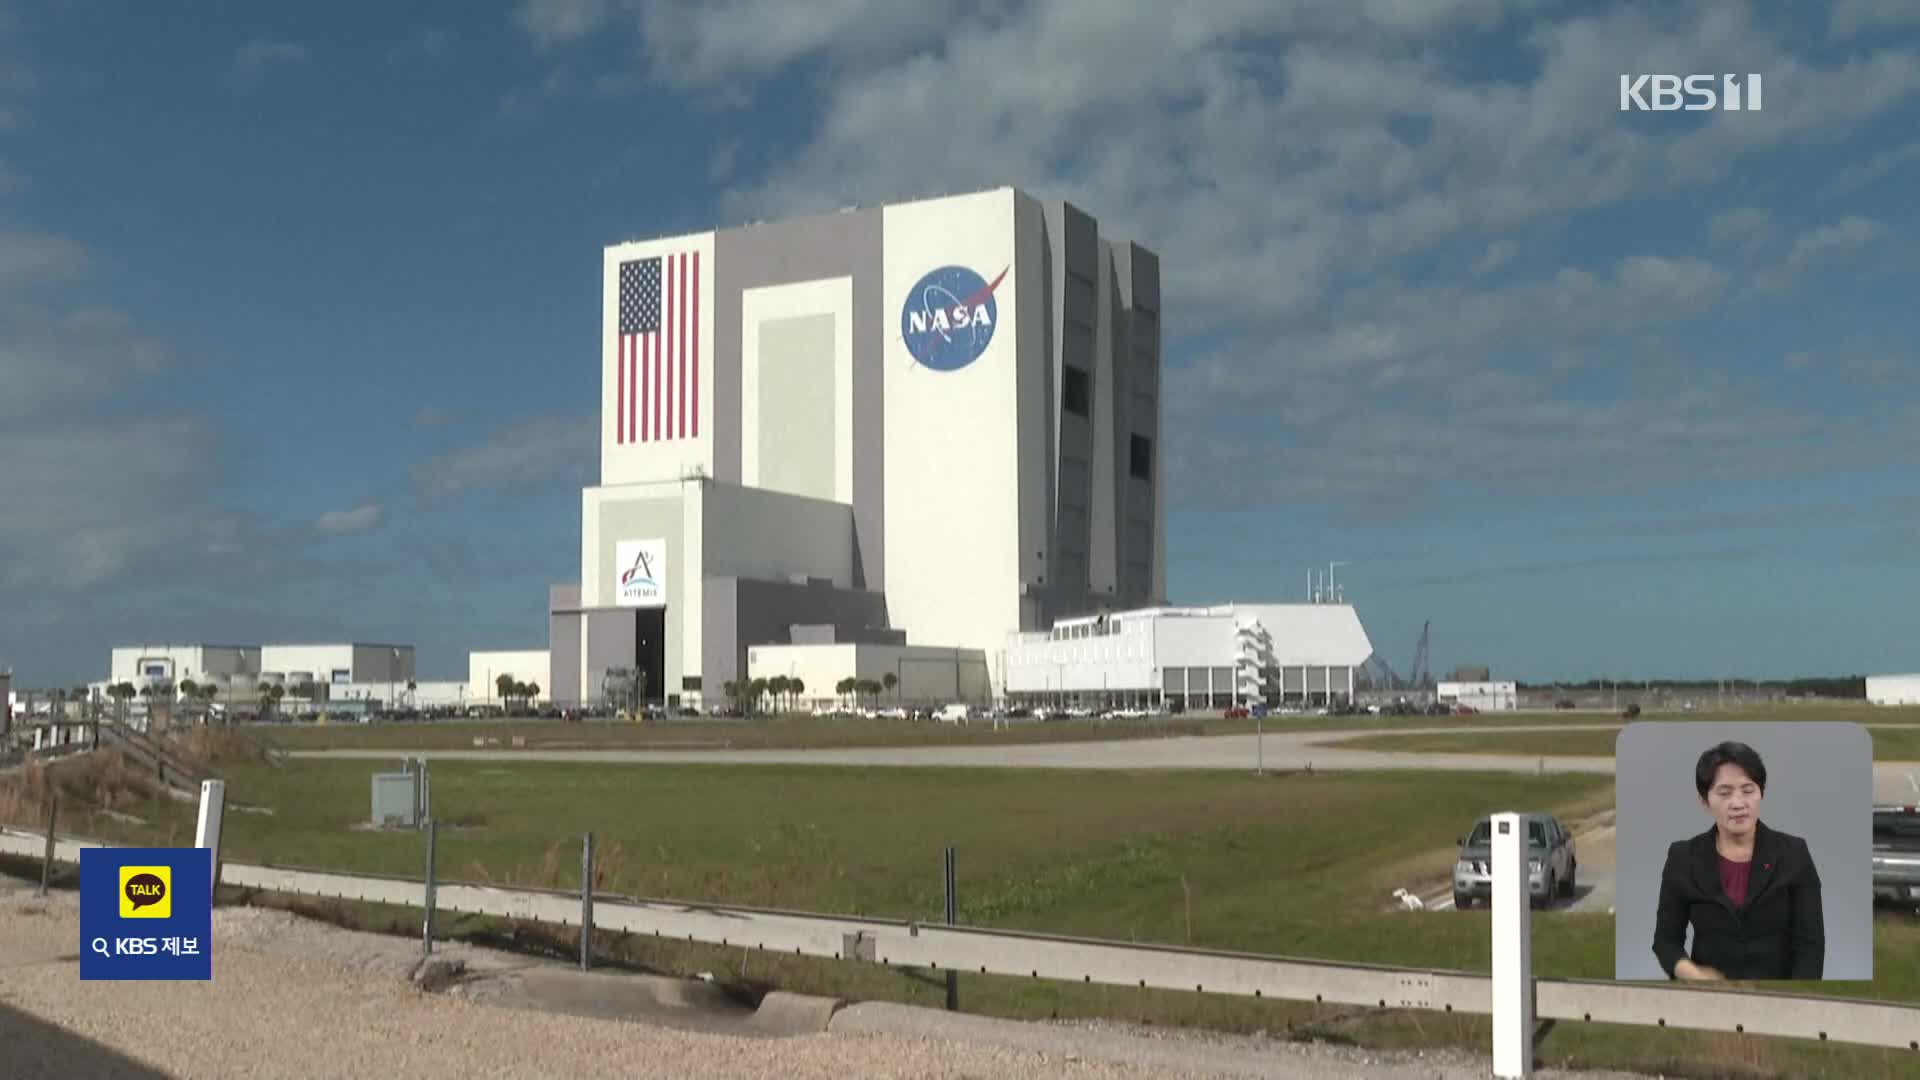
[431, 416]
[559, 22]
[90, 497]
[357, 520]
[93, 499]
[1746, 229]
[1818, 247]
[252, 60]
[1498, 254]
[1855, 177]
[1287, 159]
[38, 258]
[531, 451]
[1850, 18]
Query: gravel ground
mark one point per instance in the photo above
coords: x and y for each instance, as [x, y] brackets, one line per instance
[290, 1001]
[296, 998]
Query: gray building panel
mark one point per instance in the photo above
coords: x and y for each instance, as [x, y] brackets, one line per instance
[563, 650]
[611, 643]
[1141, 540]
[808, 249]
[828, 634]
[742, 612]
[1080, 373]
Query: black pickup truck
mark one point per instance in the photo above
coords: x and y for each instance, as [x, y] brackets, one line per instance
[1896, 854]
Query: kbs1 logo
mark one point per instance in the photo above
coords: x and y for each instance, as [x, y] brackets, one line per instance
[1693, 93]
[949, 317]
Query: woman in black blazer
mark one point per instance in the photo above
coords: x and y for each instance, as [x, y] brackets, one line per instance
[1751, 893]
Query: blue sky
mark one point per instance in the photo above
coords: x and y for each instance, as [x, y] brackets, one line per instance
[298, 306]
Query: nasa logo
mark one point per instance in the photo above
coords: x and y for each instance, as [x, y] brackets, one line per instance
[949, 317]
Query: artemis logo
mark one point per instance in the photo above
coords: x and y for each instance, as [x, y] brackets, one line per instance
[1694, 93]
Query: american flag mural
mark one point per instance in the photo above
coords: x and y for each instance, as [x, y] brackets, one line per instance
[657, 388]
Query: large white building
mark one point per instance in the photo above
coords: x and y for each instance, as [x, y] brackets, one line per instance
[1893, 689]
[866, 434]
[1198, 657]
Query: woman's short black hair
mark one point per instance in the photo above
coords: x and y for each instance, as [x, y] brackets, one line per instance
[1729, 753]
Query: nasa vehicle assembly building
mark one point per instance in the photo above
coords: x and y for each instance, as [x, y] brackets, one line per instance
[885, 440]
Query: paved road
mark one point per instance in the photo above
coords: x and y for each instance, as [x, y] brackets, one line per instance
[1893, 781]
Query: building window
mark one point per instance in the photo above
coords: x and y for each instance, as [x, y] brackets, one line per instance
[1141, 455]
[690, 683]
[1076, 393]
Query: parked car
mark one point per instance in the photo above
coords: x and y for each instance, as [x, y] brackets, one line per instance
[1552, 868]
[1896, 854]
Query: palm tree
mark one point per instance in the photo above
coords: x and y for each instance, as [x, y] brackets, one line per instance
[797, 686]
[845, 687]
[890, 680]
[121, 693]
[504, 685]
[869, 688]
[732, 689]
[533, 693]
[756, 690]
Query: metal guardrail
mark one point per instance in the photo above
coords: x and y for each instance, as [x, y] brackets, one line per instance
[174, 769]
[1069, 959]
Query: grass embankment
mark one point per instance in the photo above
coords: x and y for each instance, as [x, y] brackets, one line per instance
[1291, 864]
[1889, 744]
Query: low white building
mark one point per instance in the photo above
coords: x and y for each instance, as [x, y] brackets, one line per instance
[521, 665]
[1893, 689]
[237, 670]
[420, 695]
[922, 674]
[1480, 696]
[149, 665]
[1198, 657]
[342, 664]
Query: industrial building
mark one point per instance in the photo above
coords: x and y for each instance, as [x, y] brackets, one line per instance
[243, 667]
[1480, 695]
[883, 438]
[1893, 689]
[1198, 657]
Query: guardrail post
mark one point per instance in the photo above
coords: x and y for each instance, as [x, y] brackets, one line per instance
[953, 977]
[46, 864]
[213, 806]
[426, 938]
[586, 903]
[1512, 950]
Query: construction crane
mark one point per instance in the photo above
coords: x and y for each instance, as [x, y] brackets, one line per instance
[1422, 677]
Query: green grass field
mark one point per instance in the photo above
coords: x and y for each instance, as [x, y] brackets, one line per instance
[1287, 864]
[1889, 744]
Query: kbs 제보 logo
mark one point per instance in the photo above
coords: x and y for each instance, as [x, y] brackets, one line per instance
[949, 317]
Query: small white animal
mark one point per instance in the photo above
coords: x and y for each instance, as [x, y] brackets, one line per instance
[1409, 901]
